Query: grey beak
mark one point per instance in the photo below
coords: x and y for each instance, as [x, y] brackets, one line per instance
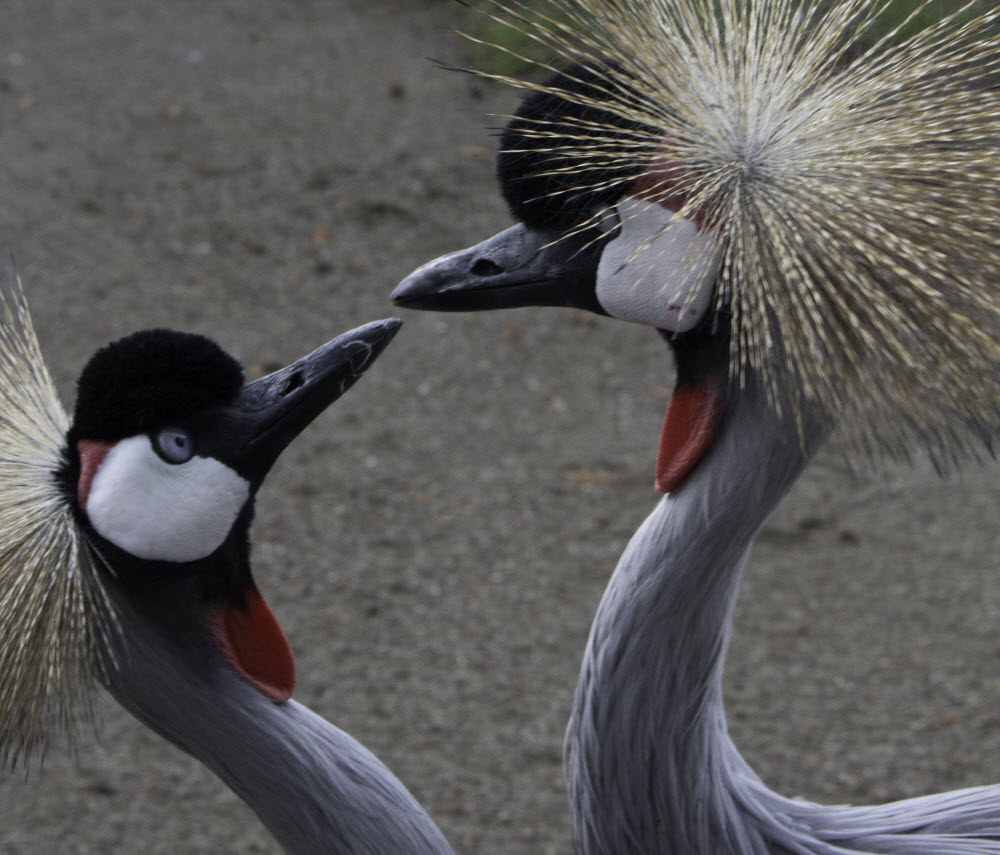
[517, 267]
[270, 412]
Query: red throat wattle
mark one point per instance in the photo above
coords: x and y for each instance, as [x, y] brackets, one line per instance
[252, 642]
[689, 429]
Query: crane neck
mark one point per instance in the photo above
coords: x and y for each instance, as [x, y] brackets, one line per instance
[650, 766]
[313, 786]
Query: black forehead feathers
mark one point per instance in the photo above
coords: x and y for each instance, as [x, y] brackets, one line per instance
[150, 379]
[542, 137]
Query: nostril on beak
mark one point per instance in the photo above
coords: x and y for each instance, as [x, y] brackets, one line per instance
[292, 383]
[485, 267]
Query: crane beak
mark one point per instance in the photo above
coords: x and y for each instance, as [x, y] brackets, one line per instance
[270, 412]
[517, 267]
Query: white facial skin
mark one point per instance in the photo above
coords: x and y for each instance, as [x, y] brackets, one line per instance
[660, 270]
[161, 511]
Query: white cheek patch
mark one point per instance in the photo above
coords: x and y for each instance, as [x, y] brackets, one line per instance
[162, 512]
[660, 271]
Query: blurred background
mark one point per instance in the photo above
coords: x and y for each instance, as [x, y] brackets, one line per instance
[436, 544]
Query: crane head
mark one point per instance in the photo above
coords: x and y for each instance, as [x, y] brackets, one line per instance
[618, 243]
[166, 451]
[621, 245]
[168, 444]
[141, 507]
[762, 168]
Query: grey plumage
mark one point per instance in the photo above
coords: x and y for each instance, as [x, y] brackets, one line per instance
[650, 767]
[316, 788]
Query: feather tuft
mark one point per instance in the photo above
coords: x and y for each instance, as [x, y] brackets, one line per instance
[56, 617]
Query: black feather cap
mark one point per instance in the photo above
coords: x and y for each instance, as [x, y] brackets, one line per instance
[151, 379]
[543, 166]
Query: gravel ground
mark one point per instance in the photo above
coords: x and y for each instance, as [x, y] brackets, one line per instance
[436, 544]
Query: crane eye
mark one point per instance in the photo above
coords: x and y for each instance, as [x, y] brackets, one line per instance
[175, 445]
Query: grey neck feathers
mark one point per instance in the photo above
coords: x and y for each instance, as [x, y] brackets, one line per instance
[648, 755]
[316, 788]
[650, 767]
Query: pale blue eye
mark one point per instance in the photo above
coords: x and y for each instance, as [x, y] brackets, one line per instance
[175, 445]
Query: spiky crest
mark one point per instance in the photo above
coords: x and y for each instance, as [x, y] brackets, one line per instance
[854, 184]
[56, 626]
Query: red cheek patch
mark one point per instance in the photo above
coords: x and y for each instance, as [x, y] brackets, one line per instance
[92, 454]
[666, 184]
[255, 647]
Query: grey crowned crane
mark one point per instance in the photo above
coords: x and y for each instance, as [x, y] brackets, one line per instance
[810, 224]
[125, 562]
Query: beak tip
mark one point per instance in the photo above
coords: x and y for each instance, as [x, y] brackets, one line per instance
[441, 284]
[408, 293]
[386, 331]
